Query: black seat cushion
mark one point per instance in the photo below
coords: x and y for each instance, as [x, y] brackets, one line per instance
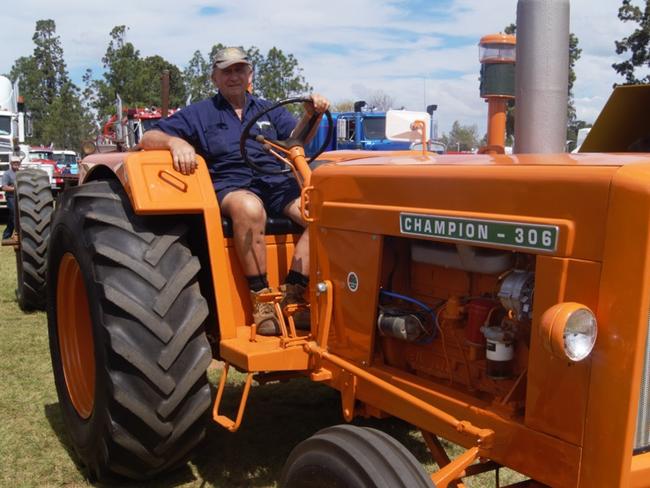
[274, 226]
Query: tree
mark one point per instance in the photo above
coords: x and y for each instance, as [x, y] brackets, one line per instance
[380, 101]
[636, 44]
[135, 79]
[278, 76]
[67, 124]
[461, 137]
[150, 83]
[121, 63]
[196, 76]
[343, 106]
[54, 101]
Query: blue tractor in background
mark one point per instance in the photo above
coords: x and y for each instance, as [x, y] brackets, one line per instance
[362, 130]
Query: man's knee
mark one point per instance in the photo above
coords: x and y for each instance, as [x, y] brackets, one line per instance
[244, 207]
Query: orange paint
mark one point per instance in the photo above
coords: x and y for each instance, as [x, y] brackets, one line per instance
[562, 423]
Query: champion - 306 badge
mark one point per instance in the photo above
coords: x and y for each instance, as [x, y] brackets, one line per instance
[520, 235]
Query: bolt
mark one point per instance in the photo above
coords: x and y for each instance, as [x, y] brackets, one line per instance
[321, 287]
[374, 237]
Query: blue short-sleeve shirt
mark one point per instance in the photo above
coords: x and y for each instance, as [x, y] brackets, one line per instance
[214, 129]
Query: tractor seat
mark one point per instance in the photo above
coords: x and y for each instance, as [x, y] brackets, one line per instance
[274, 226]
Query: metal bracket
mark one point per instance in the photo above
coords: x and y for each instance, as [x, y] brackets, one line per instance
[222, 420]
[304, 201]
[348, 394]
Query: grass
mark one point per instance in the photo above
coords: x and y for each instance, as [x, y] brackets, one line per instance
[35, 449]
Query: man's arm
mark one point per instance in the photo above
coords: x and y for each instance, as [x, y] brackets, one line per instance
[319, 104]
[183, 154]
[6, 186]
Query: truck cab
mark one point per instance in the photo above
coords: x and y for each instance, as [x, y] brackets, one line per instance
[363, 131]
[42, 157]
[66, 161]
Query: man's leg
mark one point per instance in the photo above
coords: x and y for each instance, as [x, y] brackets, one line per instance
[9, 230]
[300, 261]
[297, 280]
[248, 217]
[248, 220]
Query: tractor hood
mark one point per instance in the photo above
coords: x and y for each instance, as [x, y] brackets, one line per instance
[454, 197]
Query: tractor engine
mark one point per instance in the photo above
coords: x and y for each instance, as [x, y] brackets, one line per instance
[465, 320]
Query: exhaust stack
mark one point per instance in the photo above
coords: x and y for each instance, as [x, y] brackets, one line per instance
[542, 76]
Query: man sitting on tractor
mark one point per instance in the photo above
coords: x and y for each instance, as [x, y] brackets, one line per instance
[212, 128]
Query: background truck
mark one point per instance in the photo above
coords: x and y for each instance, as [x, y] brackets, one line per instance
[42, 157]
[366, 130]
[67, 162]
[15, 124]
[126, 131]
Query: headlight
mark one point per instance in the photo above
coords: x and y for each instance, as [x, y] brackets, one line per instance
[569, 331]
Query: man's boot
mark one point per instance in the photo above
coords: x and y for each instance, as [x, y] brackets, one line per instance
[295, 295]
[264, 314]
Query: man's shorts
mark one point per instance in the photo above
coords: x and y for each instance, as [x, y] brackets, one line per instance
[275, 195]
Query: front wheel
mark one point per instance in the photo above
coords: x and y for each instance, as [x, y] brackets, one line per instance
[346, 456]
[33, 213]
[126, 325]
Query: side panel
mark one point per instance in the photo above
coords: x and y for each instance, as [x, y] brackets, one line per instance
[556, 397]
[623, 320]
[355, 276]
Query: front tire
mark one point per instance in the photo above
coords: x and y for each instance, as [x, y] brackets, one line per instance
[34, 206]
[347, 456]
[127, 340]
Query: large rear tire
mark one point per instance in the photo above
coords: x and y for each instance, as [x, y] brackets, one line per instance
[346, 456]
[127, 340]
[34, 205]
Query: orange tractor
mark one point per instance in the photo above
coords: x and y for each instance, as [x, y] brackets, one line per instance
[462, 294]
[500, 302]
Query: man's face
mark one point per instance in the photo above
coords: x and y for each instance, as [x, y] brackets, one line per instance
[233, 80]
[15, 165]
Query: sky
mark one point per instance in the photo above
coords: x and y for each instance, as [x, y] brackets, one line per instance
[419, 52]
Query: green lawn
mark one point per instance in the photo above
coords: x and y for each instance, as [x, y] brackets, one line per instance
[35, 450]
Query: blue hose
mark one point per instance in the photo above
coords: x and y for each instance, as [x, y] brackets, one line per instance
[392, 294]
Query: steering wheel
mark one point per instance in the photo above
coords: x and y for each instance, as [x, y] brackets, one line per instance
[298, 139]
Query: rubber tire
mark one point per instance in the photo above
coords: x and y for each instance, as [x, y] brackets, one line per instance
[150, 348]
[34, 207]
[347, 456]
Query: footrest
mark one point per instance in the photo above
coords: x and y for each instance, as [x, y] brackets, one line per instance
[222, 420]
[267, 353]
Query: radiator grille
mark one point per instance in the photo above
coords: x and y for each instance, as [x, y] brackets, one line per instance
[642, 436]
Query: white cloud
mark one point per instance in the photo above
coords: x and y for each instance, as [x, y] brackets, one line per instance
[391, 46]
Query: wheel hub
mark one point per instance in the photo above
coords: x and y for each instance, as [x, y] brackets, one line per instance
[75, 336]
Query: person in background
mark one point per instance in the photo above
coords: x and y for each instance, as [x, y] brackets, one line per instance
[9, 187]
[212, 128]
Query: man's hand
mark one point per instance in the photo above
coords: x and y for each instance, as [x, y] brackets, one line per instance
[319, 104]
[183, 155]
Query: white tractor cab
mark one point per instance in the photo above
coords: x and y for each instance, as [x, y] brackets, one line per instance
[413, 127]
